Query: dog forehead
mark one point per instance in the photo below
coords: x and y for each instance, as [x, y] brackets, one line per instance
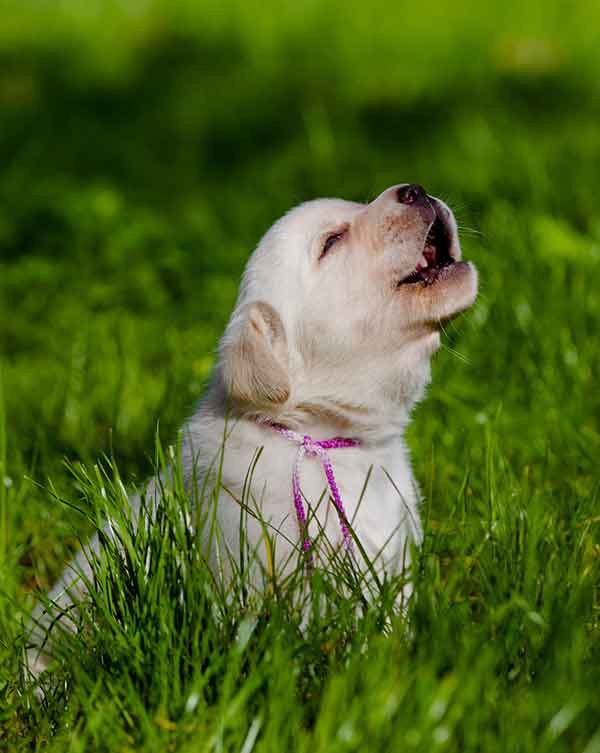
[302, 223]
[284, 246]
[275, 271]
[322, 210]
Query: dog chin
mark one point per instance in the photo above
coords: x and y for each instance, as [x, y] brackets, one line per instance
[430, 343]
[457, 292]
[453, 290]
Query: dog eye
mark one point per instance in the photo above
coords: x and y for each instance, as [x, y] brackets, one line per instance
[330, 241]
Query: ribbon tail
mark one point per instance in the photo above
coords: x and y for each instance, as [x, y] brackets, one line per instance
[337, 501]
[300, 512]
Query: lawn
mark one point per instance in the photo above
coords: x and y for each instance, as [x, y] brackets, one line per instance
[145, 147]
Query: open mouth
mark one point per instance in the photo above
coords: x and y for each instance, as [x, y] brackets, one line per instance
[436, 255]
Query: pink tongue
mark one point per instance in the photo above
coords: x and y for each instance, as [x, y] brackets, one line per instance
[430, 253]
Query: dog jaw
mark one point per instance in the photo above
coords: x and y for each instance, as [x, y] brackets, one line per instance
[453, 291]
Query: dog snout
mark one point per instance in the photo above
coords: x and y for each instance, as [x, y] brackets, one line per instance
[411, 193]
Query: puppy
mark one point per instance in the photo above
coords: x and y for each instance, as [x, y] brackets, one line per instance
[327, 351]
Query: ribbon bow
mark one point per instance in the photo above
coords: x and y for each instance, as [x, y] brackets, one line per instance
[317, 448]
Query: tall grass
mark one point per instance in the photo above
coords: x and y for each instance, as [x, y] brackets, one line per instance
[498, 646]
[167, 637]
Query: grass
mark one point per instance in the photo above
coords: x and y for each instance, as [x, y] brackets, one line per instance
[145, 147]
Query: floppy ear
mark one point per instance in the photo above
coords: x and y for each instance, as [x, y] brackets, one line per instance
[254, 356]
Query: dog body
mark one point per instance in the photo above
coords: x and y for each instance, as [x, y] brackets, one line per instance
[383, 512]
[338, 314]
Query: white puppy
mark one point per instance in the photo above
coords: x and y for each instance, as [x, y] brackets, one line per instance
[338, 314]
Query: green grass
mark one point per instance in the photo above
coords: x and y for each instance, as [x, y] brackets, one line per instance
[144, 149]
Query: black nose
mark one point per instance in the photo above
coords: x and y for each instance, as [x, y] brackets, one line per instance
[411, 193]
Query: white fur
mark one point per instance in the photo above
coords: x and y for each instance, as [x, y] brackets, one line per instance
[352, 360]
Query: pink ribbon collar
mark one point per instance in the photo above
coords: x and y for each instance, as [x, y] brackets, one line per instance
[317, 448]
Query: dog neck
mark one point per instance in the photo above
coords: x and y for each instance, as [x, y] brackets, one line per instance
[374, 422]
[368, 402]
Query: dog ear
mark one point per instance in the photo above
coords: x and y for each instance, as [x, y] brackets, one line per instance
[254, 357]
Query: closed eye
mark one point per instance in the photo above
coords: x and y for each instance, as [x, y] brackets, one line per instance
[331, 240]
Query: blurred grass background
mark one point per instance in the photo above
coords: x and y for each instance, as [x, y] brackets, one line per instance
[146, 146]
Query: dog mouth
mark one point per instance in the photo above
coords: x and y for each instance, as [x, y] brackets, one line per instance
[436, 257]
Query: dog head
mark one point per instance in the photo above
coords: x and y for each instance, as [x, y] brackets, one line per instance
[341, 306]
